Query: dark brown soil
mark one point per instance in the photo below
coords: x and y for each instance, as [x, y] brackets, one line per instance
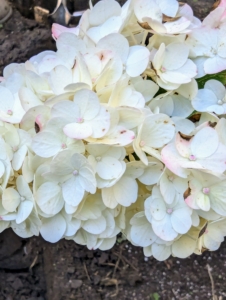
[36, 270]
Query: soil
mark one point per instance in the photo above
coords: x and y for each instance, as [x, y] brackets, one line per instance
[36, 270]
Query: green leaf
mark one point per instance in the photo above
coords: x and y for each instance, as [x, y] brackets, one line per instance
[155, 296]
[219, 76]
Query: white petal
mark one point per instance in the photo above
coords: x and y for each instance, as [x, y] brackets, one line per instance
[10, 199]
[78, 130]
[101, 123]
[164, 229]
[117, 43]
[88, 103]
[18, 157]
[107, 243]
[205, 142]
[157, 130]
[183, 247]
[60, 77]
[142, 233]
[46, 144]
[28, 99]
[109, 168]
[53, 229]
[24, 211]
[95, 226]
[181, 221]
[49, 198]
[214, 65]
[216, 87]
[65, 109]
[72, 191]
[172, 61]
[109, 198]
[204, 99]
[161, 252]
[23, 188]
[102, 11]
[137, 60]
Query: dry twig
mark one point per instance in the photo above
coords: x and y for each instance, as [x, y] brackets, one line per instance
[212, 282]
[86, 271]
[123, 258]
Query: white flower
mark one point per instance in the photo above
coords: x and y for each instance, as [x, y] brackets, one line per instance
[108, 163]
[172, 104]
[155, 132]
[19, 142]
[207, 46]
[104, 18]
[206, 191]
[154, 9]
[212, 237]
[168, 220]
[30, 226]
[212, 98]
[11, 110]
[151, 173]
[181, 247]
[20, 201]
[124, 191]
[171, 185]
[202, 151]
[173, 70]
[75, 174]
[52, 140]
[134, 59]
[119, 133]
[5, 165]
[85, 116]
[181, 23]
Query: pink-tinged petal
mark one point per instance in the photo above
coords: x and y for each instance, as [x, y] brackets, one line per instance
[186, 11]
[178, 26]
[78, 131]
[191, 201]
[172, 159]
[183, 146]
[214, 65]
[58, 29]
[213, 18]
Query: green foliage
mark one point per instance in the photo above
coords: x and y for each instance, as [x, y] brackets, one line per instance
[155, 296]
[219, 76]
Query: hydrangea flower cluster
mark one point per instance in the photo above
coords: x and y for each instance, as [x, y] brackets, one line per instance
[112, 133]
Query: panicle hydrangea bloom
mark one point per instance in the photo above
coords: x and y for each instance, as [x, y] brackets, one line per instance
[114, 132]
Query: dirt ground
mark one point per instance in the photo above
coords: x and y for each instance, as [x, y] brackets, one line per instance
[36, 270]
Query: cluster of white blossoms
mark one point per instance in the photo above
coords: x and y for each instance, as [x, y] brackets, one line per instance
[112, 133]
